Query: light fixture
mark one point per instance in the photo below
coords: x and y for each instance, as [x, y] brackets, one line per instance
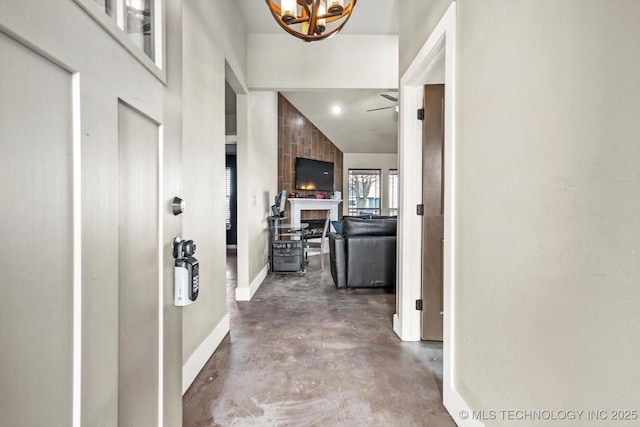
[336, 109]
[308, 19]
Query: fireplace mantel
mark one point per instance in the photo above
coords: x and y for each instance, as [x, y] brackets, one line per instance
[299, 204]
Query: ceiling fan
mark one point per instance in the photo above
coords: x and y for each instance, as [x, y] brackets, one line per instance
[390, 98]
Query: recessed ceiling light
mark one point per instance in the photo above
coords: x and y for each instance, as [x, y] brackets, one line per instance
[336, 109]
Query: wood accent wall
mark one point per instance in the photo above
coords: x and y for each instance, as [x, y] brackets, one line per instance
[298, 137]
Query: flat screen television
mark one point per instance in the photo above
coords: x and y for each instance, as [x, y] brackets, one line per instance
[314, 175]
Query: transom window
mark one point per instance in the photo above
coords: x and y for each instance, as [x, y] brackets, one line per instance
[106, 5]
[139, 24]
[139, 19]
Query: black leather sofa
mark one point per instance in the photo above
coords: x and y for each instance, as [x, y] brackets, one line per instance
[364, 254]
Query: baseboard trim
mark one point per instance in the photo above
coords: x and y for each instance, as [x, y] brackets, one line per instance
[396, 325]
[197, 360]
[459, 410]
[245, 294]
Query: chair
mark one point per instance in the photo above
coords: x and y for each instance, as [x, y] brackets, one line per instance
[320, 245]
[364, 254]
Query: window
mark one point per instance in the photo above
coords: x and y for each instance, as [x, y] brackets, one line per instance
[139, 25]
[364, 192]
[106, 5]
[136, 24]
[227, 200]
[393, 192]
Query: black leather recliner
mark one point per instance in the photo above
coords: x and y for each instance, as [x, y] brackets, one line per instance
[364, 255]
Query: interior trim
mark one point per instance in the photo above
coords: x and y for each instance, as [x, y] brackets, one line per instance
[246, 293]
[77, 252]
[196, 362]
[407, 319]
[161, 210]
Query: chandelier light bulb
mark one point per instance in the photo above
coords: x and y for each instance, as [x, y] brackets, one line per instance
[336, 6]
[322, 10]
[289, 10]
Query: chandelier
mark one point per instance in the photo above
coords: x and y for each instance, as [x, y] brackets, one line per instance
[308, 19]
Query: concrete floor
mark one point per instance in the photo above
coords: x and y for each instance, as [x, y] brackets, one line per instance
[303, 353]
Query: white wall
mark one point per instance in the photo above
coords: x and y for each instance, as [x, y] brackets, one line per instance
[223, 23]
[204, 184]
[417, 19]
[548, 233]
[553, 254]
[257, 185]
[384, 162]
[343, 61]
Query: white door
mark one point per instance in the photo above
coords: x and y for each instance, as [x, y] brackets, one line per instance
[88, 332]
[36, 231]
[138, 326]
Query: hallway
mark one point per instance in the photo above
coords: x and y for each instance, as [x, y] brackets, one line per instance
[304, 353]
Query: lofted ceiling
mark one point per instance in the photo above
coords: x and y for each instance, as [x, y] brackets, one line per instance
[354, 130]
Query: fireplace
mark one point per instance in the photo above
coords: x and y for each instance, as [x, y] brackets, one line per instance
[299, 205]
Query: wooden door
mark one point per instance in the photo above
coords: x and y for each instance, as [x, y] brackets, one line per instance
[433, 219]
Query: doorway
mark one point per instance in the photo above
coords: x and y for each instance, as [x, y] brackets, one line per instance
[439, 50]
[231, 166]
[231, 198]
[433, 214]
